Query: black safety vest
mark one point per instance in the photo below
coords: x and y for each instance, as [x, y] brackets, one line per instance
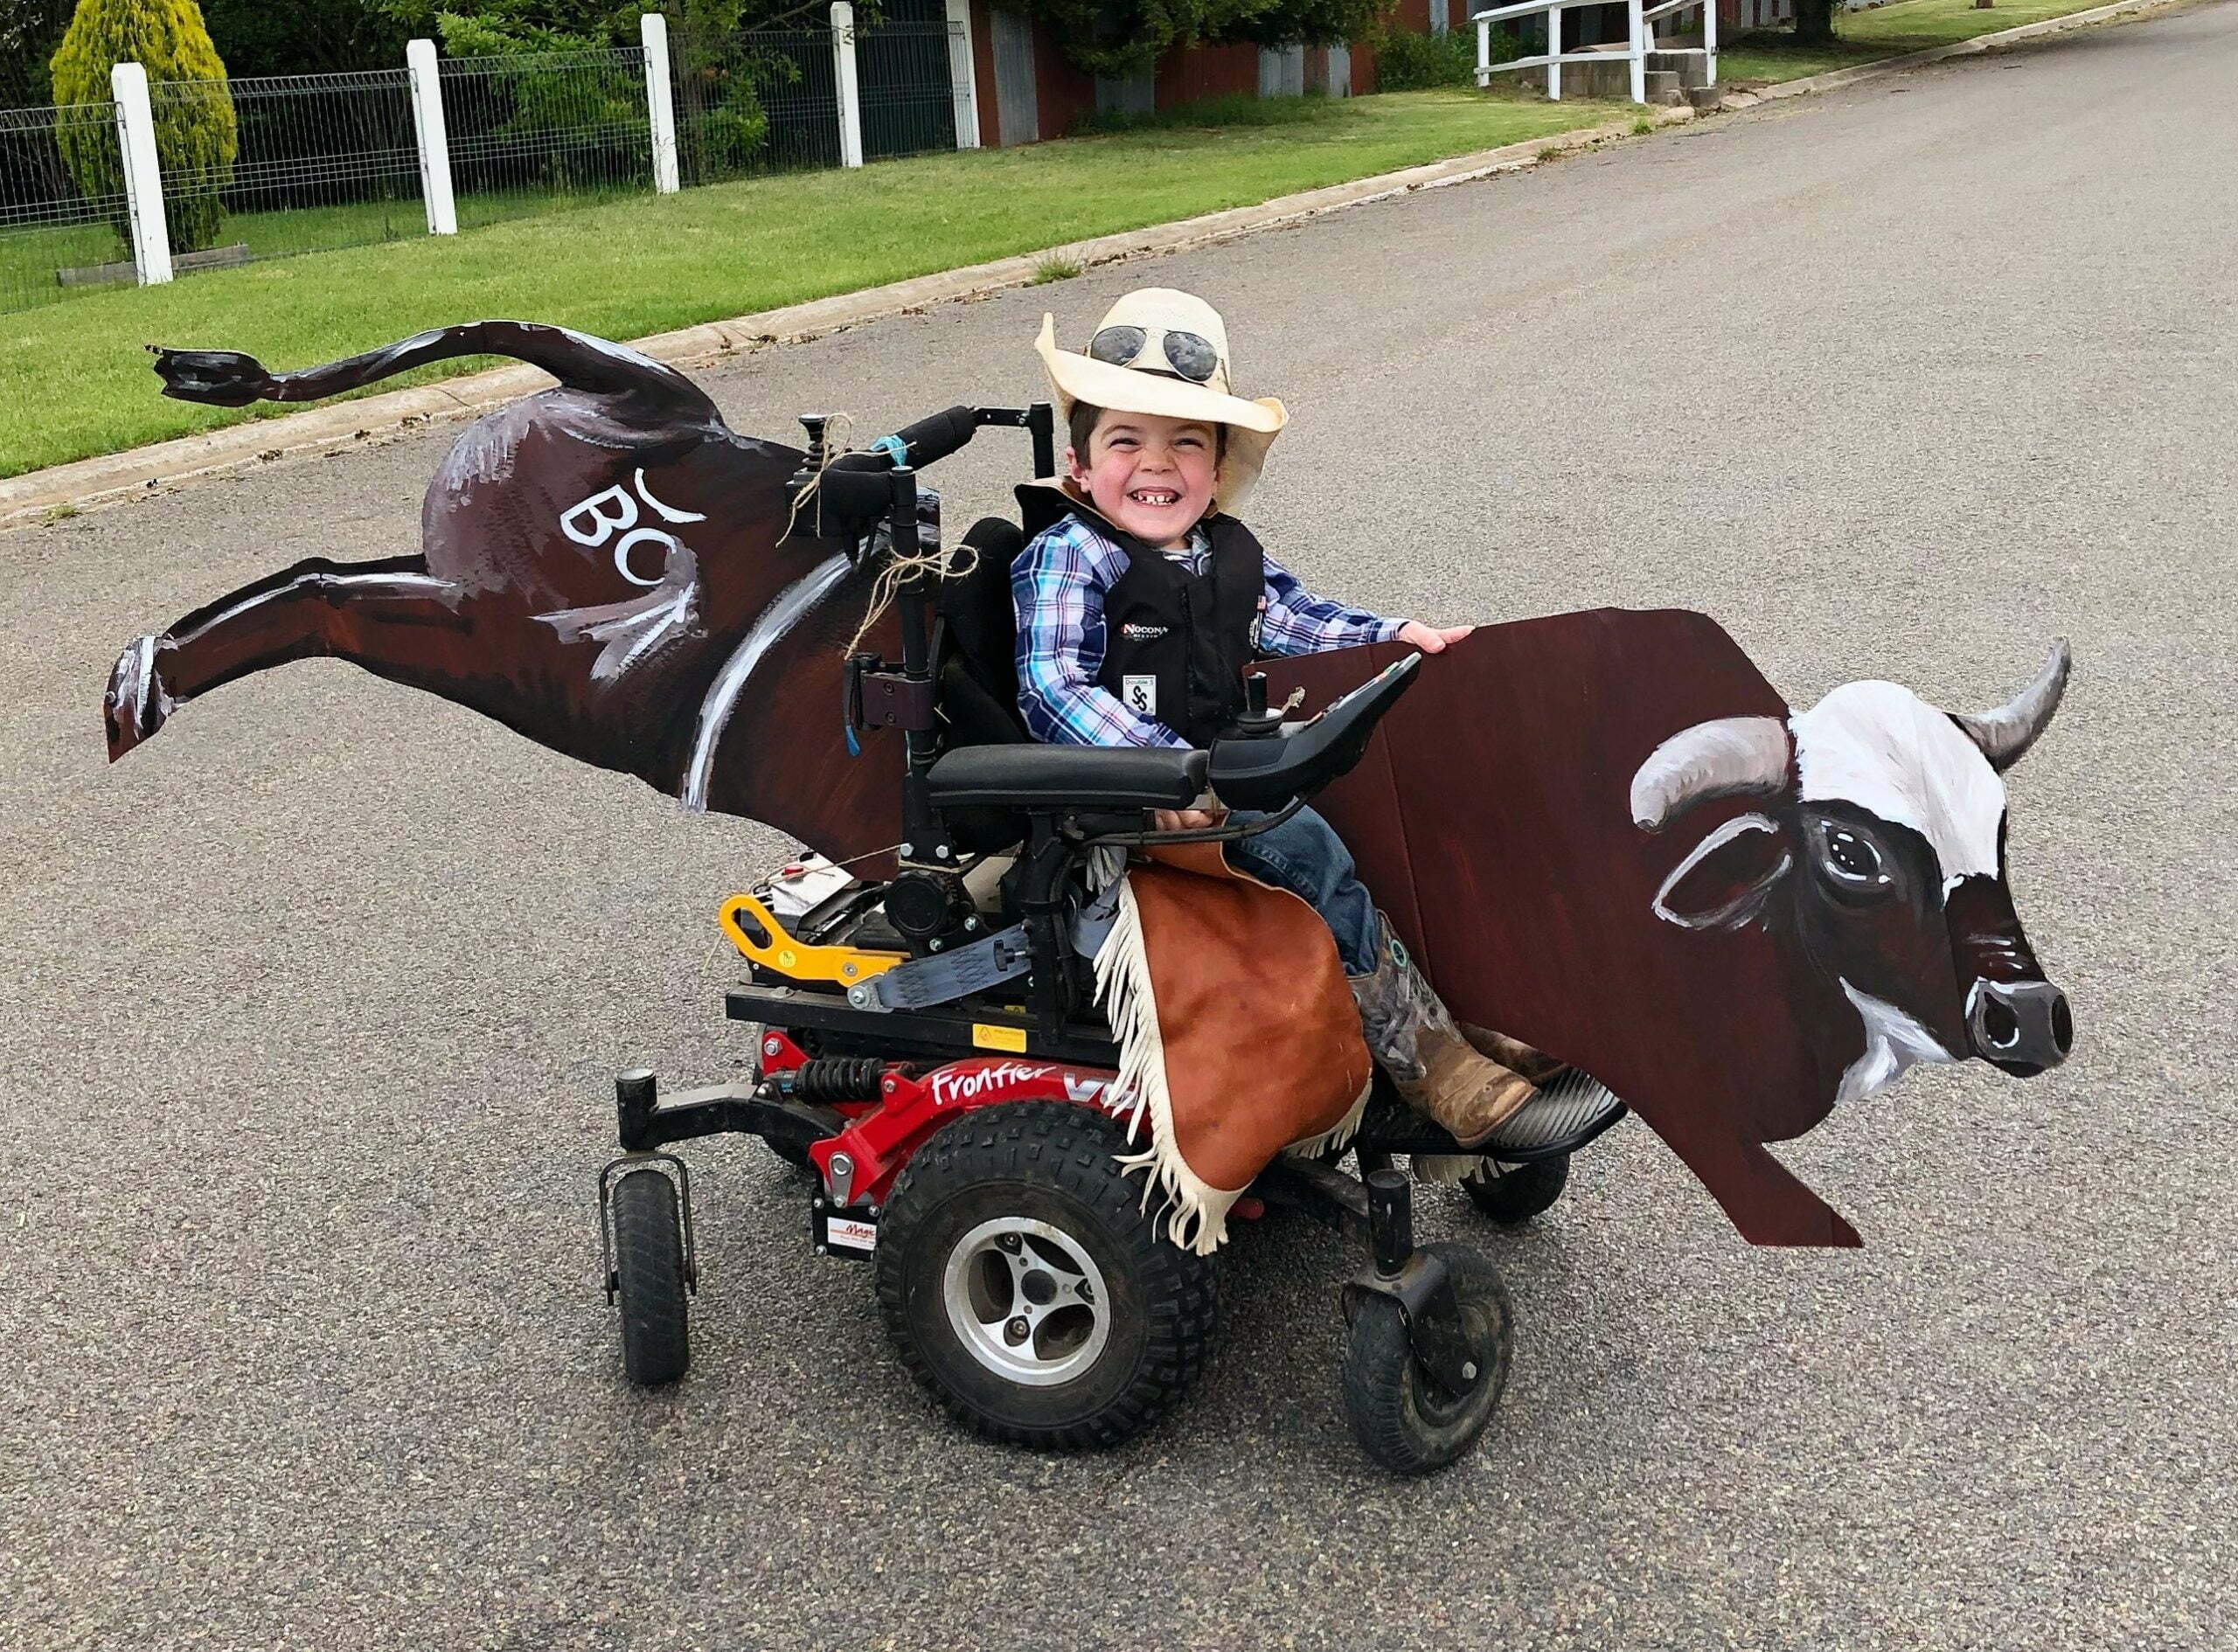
[1175, 643]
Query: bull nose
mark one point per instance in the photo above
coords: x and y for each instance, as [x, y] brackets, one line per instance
[2022, 1026]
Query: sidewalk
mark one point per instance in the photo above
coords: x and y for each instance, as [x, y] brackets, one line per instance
[64, 489]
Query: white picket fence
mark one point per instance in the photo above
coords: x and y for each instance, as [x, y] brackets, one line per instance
[814, 112]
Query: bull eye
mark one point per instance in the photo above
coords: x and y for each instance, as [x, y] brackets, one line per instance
[1851, 857]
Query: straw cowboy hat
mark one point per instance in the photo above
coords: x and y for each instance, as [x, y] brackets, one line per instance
[1165, 352]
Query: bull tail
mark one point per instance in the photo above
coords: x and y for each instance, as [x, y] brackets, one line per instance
[228, 379]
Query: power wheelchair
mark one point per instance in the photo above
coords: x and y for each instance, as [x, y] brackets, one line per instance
[930, 1053]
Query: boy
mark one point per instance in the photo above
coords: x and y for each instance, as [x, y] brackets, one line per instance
[1140, 605]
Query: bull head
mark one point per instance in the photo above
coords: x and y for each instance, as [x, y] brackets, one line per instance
[1883, 835]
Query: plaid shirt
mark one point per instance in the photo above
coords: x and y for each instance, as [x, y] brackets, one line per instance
[1057, 587]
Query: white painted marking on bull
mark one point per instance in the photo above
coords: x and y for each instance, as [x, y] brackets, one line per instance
[613, 351]
[1893, 1041]
[1744, 905]
[599, 526]
[1880, 747]
[669, 513]
[145, 683]
[670, 544]
[782, 613]
[398, 583]
[658, 622]
[631, 630]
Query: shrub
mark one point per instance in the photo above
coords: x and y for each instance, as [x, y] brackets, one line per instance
[1410, 62]
[196, 139]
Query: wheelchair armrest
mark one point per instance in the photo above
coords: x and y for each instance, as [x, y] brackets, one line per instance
[1033, 776]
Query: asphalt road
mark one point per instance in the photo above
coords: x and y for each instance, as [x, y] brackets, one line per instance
[311, 1007]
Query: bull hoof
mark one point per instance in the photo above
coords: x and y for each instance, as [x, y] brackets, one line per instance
[135, 705]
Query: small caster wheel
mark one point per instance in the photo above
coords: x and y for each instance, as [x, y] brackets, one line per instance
[1025, 1286]
[1512, 1194]
[648, 1277]
[1404, 1419]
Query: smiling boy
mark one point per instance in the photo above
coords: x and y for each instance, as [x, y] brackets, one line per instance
[1142, 599]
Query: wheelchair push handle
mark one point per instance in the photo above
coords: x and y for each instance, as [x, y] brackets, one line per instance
[850, 491]
[929, 440]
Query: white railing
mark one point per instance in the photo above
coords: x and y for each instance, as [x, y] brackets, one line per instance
[1639, 40]
[1706, 51]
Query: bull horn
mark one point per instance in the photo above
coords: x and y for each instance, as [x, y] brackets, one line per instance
[2004, 735]
[1724, 757]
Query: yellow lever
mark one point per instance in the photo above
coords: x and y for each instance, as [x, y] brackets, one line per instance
[743, 916]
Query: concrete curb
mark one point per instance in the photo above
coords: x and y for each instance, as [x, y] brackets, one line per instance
[113, 478]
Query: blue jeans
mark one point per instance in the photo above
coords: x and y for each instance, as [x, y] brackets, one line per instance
[1304, 856]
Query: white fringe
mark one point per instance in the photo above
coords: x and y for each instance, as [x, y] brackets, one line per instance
[1196, 1218]
[1335, 1140]
[1451, 1168]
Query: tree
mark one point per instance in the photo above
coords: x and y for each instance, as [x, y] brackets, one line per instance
[196, 139]
[303, 36]
[1814, 22]
[1320, 23]
[30, 30]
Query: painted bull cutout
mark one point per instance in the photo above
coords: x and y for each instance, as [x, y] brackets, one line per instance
[1607, 835]
[1604, 833]
[603, 569]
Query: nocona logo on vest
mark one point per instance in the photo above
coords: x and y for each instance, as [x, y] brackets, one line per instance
[1134, 631]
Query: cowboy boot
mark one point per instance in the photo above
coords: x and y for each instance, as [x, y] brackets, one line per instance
[1413, 1039]
[1512, 1053]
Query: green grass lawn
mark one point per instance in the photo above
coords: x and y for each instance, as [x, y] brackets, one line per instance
[29, 258]
[1882, 31]
[77, 382]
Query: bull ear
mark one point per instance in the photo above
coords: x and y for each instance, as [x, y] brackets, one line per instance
[1724, 883]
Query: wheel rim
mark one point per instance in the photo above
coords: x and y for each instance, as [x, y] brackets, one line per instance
[1436, 1406]
[1026, 1301]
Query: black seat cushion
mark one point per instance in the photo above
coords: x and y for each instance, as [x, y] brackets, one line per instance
[1030, 775]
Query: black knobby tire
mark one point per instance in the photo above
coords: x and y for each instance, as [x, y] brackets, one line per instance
[1402, 1417]
[942, 1290]
[648, 1272]
[1512, 1194]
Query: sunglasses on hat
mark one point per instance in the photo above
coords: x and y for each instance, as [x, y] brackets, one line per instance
[1187, 354]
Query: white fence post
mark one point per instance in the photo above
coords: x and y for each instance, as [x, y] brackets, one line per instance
[1638, 26]
[1555, 53]
[1709, 39]
[143, 174]
[843, 74]
[660, 102]
[963, 74]
[433, 136]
